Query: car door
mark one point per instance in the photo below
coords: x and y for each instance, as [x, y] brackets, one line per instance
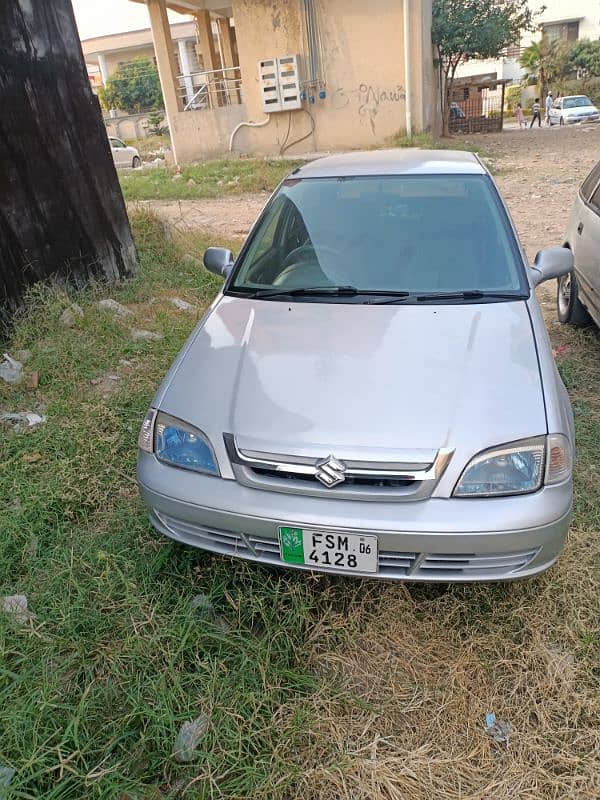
[586, 243]
[119, 151]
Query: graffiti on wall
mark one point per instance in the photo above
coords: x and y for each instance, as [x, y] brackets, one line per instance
[368, 100]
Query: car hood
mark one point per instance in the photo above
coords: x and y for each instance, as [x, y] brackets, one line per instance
[580, 110]
[313, 378]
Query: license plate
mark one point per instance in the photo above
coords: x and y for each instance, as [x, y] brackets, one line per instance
[322, 549]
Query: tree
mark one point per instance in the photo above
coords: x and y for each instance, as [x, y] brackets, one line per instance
[464, 29]
[134, 87]
[546, 62]
[584, 56]
[62, 214]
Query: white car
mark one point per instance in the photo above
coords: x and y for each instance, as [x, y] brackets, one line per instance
[574, 108]
[123, 155]
[578, 296]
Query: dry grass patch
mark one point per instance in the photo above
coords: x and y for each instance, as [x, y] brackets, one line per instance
[413, 672]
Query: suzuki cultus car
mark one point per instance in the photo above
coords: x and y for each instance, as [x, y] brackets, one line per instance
[373, 391]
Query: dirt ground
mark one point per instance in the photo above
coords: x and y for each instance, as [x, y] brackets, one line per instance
[538, 173]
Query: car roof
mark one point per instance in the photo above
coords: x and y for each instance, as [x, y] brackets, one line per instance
[399, 161]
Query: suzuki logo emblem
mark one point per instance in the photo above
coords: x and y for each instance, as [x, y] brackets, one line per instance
[331, 472]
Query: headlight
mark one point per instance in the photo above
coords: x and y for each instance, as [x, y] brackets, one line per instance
[517, 468]
[177, 443]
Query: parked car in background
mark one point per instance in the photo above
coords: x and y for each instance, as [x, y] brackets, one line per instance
[573, 108]
[578, 296]
[373, 392]
[124, 155]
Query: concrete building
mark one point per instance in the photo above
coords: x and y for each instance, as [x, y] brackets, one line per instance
[568, 20]
[296, 75]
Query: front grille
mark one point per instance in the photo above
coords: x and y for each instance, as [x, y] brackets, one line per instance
[439, 566]
[413, 476]
[392, 564]
[359, 481]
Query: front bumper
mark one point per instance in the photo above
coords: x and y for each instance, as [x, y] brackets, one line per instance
[574, 120]
[451, 540]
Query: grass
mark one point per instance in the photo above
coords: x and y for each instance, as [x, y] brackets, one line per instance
[315, 687]
[210, 179]
[238, 176]
[150, 146]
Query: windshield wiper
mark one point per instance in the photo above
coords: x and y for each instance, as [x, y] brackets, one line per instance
[472, 294]
[391, 297]
[307, 291]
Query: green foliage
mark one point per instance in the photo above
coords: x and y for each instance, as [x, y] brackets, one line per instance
[584, 56]
[155, 124]
[512, 96]
[463, 29]
[546, 62]
[134, 87]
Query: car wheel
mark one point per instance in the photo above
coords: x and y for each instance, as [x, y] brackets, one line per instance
[137, 162]
[569, 307]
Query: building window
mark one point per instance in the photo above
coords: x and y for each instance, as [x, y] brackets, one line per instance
[466, 93]
[565, 31]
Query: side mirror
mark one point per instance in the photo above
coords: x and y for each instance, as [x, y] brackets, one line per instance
[218, 260]
[552, 262]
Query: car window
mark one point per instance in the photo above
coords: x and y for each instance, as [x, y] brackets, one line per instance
[595, 200]
[587, 187]
[400, 233]
[577, 102]
[264, 243]
[117, 143]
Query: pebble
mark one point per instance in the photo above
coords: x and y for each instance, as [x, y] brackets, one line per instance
[183, 305]
[11, 370]
[145, 336]
[117, 308]
[70, 315]
[16, 605]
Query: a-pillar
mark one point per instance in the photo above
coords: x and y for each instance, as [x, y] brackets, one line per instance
[227, 38]
[210, 56]
[165, 61]
[186, 70]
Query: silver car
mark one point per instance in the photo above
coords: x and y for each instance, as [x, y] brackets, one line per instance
[124, 155]
[373, 392]
[578, 297]
[572, 109]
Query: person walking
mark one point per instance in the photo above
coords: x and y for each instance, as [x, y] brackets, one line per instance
[549, 104]
[536, 113]
[520, 116]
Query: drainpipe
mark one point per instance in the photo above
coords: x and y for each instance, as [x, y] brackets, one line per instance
[407, 67]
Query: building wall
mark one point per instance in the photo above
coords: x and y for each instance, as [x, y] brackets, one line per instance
[200, 134]
[364, 70]
[554, 10]
[113, 60]
[546, 11]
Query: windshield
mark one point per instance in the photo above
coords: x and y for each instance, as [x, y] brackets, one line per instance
[397, 234]
[576, 102]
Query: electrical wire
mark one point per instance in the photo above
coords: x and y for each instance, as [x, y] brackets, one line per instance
[302, 138]
[287, 136]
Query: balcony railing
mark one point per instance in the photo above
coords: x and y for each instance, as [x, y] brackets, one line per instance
[210, 89]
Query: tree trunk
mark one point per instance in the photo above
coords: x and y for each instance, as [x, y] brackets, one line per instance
[61, 208]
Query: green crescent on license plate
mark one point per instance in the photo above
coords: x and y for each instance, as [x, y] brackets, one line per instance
[346, 552]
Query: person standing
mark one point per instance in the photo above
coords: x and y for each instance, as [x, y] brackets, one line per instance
[520, 116]
[536, 113]
[549, 104]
